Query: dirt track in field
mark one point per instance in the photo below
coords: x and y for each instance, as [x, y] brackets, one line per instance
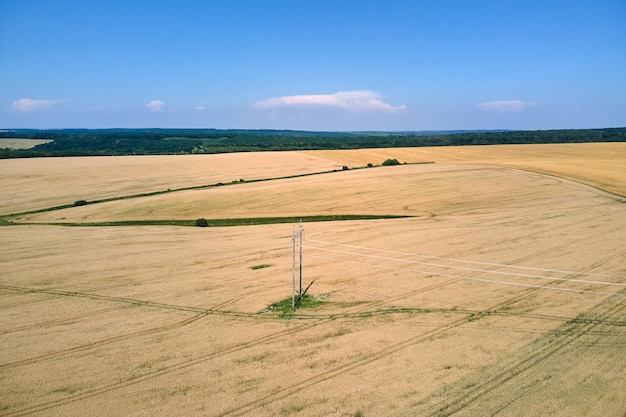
[504, 295]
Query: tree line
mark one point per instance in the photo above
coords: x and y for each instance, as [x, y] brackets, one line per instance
[92, 142]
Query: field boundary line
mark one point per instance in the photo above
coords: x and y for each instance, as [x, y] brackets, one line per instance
[573, 180]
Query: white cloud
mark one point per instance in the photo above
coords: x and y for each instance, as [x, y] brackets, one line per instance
[200, 108]
[351, 100]
[26, 104]
[505, 106]
[155, 105]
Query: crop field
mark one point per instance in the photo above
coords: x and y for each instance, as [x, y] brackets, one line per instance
[499, 287]
[7, 143]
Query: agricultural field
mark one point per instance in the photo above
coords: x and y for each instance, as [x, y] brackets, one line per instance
[18, 143]
[502, 290]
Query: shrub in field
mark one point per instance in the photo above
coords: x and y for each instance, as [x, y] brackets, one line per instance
[345, 168]
[80, 203]
[389, 162]
[201, 223]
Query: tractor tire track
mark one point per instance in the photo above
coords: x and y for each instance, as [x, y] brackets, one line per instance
[253, 343]
[342, 369]
[102, 342]
[160, 372]
[60, 321]
[255, 292]
[23, 303]
[131, 301]
[468, 396]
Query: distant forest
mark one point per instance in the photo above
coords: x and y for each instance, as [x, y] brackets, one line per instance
[87, 142]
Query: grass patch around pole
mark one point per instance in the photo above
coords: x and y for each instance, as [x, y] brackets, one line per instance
[284, 309]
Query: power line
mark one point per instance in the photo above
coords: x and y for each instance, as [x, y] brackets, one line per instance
[468, 269]
[467, 261]
[517, 284]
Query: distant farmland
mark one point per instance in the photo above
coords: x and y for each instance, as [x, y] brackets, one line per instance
[98, 142]
[8, 143]
[503, 291]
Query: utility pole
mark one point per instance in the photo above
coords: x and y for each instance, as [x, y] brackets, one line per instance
[293, 268]
[301, 232]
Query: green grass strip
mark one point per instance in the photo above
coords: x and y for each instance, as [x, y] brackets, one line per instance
[251, 221]
[174, 190]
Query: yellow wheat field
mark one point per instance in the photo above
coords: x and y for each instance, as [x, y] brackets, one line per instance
[30, 184]
[597, 164]
[504, 293]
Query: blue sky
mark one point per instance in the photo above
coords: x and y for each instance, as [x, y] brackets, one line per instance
[313, 65]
